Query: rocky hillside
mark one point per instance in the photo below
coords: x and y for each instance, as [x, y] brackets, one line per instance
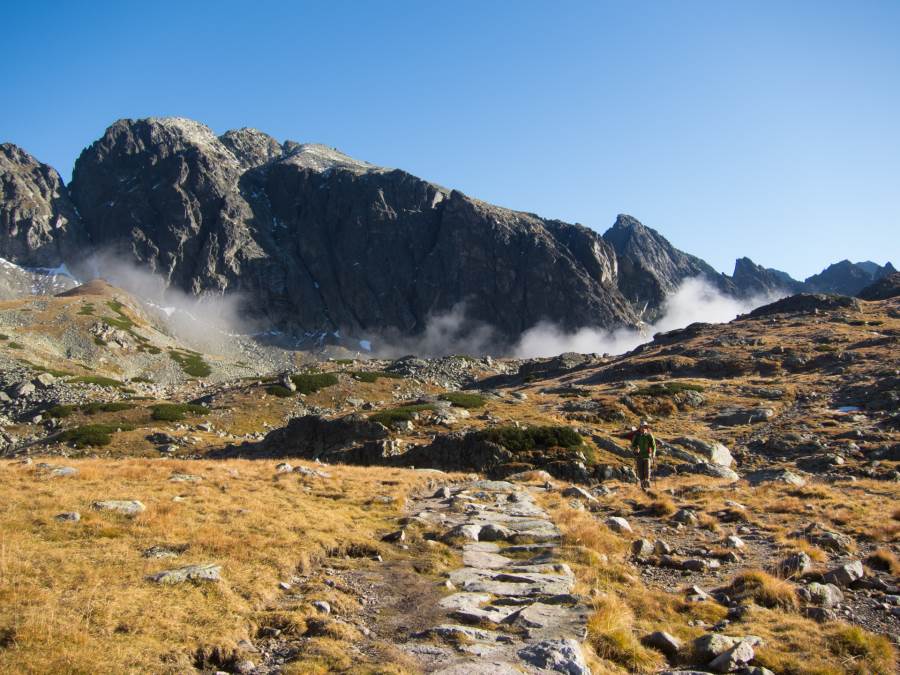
[185, 490]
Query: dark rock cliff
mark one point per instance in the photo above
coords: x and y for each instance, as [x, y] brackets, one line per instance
[39, 225]
[322, 242]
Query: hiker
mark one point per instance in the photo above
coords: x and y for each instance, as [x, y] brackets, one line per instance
[644, 446]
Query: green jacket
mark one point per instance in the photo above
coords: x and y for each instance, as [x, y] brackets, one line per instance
[645, 445]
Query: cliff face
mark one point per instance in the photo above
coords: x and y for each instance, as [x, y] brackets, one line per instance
[319, 241]
[38, 222]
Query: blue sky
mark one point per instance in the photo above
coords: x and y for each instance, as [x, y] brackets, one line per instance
[766, 129]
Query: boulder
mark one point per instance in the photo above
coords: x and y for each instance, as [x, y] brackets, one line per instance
[824, 595]
[735, 417]
[641, 548]
[795, 565]
[22, 390]
[205, 572]
[686, 517]
[561, 656]
[494, 532]
[709, 469]
[130, 507]
[468, 531]
[618, 524]
[68, 517]
[774, 476]
[664, 642]
[715, 452]
[845, 574]
[579, 493]
[734, 658]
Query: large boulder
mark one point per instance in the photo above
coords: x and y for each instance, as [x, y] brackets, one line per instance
[713, 451]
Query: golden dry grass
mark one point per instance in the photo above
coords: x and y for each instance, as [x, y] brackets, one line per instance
[764, 589]
[884, 559]
[74, 597]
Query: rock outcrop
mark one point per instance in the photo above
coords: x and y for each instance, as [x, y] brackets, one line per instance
[650, 268]
[847, 278]
[39, 225]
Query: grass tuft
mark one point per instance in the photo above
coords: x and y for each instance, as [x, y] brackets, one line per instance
[764, 590]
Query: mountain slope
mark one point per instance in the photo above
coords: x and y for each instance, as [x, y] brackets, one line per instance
[318, 241]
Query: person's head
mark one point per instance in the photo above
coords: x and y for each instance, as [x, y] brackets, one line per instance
[645, 426]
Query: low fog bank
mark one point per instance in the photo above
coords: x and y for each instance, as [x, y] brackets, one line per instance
[694, 300]
[205, 322]
[453, 333]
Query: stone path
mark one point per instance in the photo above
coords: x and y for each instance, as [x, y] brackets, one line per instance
[511, 608]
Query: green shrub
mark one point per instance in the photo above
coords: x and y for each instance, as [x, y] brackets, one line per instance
[279, 390]
[464, 400]
[343, 362]
[4, 337]
[310, 383]
[99, 380]
[87, 309]
[92, 434]
[96, 407]
[175, 412]
[516, 439]
[373, 375]
[60, 411]
[401, 414]
[15, 345]
[667, 389]
[191, 363]
[143, 379]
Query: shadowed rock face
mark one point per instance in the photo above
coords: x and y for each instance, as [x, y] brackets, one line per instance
[886, 287]
[751, 279]
[38, 222]
[320, 241]
[847, 278]
[650, 268]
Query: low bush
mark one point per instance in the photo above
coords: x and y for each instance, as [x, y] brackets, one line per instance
[191, 363]
[310, 383]
[279, 390]
[175, 412]
[92, 435]
[516, 439]
[463, 400]
[99, 380]
[373, 375]
[15, 345]
[60, 411]
[667, 389]
[401, 414]
[114, 406]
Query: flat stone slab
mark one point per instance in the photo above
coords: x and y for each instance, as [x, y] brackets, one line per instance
[207, 572]
[485, 560]
[130, 507]
[464, 600]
